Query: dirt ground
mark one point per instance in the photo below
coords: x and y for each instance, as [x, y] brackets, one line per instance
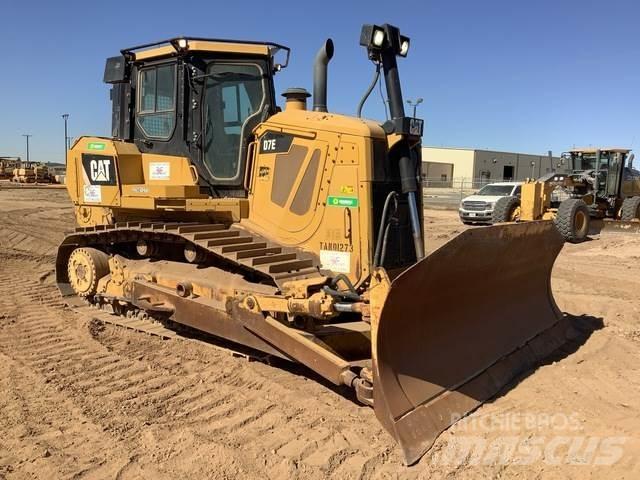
[85, 400]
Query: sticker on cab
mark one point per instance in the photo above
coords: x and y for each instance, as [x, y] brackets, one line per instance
[264, 173]
[348, 189]
[93, 193]
[159, 170]
[338, 262]
[334, 201]
[96, 146]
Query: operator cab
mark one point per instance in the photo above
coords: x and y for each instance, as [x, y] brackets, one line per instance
[602, 168]
[196, 98]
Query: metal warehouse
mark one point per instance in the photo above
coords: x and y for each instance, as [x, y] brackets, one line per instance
[443, 166]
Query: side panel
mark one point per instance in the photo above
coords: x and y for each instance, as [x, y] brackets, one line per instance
[116, 175]
[308, 191]
[94, 165]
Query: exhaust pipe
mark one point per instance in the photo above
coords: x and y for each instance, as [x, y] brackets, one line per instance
[320, 76]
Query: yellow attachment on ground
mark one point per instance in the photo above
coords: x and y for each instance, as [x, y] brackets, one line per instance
[535, 200]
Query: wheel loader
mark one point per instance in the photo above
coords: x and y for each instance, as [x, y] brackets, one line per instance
[298, 233]
[602, 184]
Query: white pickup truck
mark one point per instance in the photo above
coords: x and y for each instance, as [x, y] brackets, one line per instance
[479, 207]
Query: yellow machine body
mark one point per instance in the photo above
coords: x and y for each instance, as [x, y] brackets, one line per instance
[296, 198]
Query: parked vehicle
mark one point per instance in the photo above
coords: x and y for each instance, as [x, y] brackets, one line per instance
[602, 183]
[478, 208]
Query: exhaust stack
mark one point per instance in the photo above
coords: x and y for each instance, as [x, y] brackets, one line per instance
[320, 76]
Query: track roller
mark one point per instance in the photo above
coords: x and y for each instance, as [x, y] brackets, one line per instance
[193, 254]
[146, 248]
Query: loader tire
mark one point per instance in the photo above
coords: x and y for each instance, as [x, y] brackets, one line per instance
[506, 209]
[572, 220]
[630, 209]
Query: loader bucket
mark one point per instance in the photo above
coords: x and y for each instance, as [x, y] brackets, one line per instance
[452, 330]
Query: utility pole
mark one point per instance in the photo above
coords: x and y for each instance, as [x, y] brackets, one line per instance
[415, 104]
[65, 116]
[27, 137]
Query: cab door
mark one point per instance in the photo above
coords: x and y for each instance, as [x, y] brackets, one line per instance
[285, 191]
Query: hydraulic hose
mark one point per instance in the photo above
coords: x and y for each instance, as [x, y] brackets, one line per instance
[383, 223]
[376, 76]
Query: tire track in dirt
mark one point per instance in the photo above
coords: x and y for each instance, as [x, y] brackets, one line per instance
[57, 442]
[33, 230]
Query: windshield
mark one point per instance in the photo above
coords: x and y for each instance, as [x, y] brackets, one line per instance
[587, 161]
[234, 93]
[496, 190]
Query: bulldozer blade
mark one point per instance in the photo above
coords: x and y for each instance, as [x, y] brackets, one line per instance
[619, 226]
[452, 330]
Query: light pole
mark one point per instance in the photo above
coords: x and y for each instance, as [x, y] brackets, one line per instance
[65, 116]
[533, 166]
[415, 104]
[27, 137]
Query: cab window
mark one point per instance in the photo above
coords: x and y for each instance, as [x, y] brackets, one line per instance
[234, 93]
[157, 101]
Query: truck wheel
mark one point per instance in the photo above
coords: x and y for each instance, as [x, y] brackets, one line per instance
[506, 209]
[572, 220]
[630, 209]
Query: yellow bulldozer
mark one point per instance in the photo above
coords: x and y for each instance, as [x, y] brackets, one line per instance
[31, 172]
[299, 233]
[7, 165]
[602, 184]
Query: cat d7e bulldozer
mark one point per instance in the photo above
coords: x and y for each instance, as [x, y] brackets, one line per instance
[299, 233]
[602, 184]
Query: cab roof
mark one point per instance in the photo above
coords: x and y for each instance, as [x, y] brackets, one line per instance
[602, 149]
[180, 45]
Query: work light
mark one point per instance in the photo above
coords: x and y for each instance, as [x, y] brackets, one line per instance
[384, 38]
[404, 46]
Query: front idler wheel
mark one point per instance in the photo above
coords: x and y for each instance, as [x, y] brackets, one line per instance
[86, 266]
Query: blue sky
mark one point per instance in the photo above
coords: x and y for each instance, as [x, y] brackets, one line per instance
[507, 75]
